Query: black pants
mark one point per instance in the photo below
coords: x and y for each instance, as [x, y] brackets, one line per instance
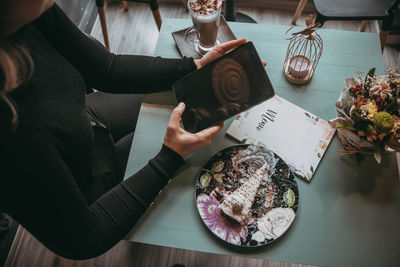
[114, 118]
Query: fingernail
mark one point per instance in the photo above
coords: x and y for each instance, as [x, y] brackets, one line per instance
[180, 105]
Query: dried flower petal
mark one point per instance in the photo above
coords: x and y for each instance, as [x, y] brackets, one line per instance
[205, 179]
[289, 197]
[211, 214]
[383, 122]
[217, 166]
[218, 177]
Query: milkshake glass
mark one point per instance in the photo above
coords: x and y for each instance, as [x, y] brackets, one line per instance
[205, 25]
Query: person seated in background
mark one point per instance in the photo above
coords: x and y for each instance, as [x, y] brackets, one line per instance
[63, 153]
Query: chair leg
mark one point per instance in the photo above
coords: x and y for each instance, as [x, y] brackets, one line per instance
[125, 5]
[157, 18]
[103, 23]
[383, 36]
[299, 10]
[364, 24]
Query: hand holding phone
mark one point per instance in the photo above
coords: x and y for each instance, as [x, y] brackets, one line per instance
[225, 87]
[183, 142]
[218, 51]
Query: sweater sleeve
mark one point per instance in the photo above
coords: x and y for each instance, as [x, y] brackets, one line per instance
[106, 71]
[40, 193]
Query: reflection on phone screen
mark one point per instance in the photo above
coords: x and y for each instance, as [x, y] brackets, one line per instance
[222, 89]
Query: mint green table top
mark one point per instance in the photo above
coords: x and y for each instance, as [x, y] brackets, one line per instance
[349, 215]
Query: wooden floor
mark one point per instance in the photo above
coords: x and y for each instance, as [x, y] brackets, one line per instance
[27, 251]
[135, 32]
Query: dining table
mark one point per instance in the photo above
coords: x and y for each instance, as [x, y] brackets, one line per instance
[348, 214]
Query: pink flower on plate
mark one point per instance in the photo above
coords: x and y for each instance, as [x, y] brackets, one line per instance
[213, 218]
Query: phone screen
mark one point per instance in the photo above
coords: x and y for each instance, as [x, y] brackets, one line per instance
[227, 86]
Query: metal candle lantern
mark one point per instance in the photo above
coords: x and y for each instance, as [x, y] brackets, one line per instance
[303, 53]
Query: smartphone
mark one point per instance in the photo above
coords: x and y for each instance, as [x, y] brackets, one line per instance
[225, 87]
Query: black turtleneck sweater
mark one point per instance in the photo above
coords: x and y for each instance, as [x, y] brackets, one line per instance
[47, 161]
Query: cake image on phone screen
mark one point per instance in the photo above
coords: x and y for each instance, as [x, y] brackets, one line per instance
[230, 83]
[231, 88]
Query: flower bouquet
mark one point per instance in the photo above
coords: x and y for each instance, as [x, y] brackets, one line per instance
[368, 114]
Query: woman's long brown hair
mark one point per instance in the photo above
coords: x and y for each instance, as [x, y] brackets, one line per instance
[15, 67]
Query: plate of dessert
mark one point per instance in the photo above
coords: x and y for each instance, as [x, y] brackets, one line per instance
[246, 195]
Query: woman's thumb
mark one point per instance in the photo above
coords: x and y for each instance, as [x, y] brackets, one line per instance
[177, 114]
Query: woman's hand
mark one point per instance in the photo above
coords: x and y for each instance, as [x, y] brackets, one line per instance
[182, 141]
[219, 51]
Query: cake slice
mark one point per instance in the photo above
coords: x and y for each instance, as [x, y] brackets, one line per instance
[238, 204]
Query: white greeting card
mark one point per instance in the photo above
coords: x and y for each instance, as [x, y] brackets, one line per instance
[297, 136]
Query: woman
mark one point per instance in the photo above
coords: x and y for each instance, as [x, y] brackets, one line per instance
[62, 153]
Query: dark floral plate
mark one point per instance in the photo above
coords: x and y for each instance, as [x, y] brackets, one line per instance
[246, 195]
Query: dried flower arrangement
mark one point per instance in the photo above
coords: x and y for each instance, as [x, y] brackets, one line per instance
[369, 114]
